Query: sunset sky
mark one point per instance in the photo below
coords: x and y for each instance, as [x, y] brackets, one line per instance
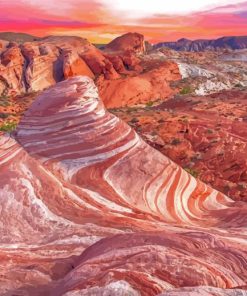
[102, 20]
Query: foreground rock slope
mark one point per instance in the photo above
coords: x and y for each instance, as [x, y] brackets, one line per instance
[88, 208]
[206, 135]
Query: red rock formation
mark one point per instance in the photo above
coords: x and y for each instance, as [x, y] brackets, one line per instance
[122, 76]
[44, 68]
[11, 71]
[204, 134]
[139, 89]
[3, 45]
[79, 179]
[130, 41]
[34, 66]
[131, 61]
[117, 63]
[99, 64]
[73, 65]
[93, 57]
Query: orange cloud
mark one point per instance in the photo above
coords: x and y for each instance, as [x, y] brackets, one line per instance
[95, 21]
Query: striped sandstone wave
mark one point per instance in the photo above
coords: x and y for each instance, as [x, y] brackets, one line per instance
[100, 211]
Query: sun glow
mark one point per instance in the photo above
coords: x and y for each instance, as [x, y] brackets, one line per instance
[143, 8]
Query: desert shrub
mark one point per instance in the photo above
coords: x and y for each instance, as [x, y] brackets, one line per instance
[176, 141]
[4, 115]
[209, 131]
[185, 90]
[8, 127]
[196, 157]
[241, 187]
[3, 96]
[238, 85]
[149, 104]
[226, 189]
[134, 120]
[130, 109]
[192, 172]
[4, 101]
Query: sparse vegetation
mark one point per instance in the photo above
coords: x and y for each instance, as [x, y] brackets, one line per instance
[8, 127]
[149, 104]
[196, 157]
[4, 115]
[238, 85]
[226, 189]
[192, 172]
[185, 90]
[129, 109]
[176, 142]
[209, 131]
[134, 120]
[241, 187]
[4, 101]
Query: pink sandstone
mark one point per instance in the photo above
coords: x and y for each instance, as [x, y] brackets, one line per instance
[89, 208]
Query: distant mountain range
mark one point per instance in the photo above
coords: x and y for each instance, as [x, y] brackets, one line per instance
[233, 42]
[17, 37]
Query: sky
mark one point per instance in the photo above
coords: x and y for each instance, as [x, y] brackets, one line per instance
[103, 20]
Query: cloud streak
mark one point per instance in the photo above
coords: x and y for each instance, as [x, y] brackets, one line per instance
[102, 20]
[140, 8]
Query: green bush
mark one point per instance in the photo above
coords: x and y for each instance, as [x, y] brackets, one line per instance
[4, 115]
[176, 141]
[186, 90]
[4, 100]
[149, 104]
[8, 127]
[209, 131]
[192, 172]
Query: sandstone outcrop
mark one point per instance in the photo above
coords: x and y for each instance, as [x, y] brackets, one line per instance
[130, 41]
[145, 87]
[11, 71]
[122, 75]
[204, 134]
[93, 209]
[34, 66]
[3, 45]
[73, 65]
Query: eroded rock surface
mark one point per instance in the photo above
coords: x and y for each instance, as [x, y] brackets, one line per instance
[34, 66]
[130, 41]
[145, 87]
[204, 134]
[89, 208]
[118, 70]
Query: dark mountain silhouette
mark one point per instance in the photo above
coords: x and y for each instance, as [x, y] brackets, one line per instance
[233, 42]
